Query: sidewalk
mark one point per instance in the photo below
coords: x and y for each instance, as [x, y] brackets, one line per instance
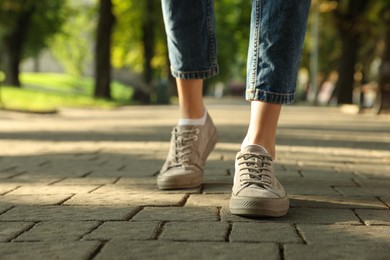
[81, 185]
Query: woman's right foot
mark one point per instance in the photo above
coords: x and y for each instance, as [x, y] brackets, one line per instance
[190, 147]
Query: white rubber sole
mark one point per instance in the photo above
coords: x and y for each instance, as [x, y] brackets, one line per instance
[259, 207]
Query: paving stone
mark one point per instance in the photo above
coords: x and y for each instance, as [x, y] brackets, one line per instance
[177, 214]
[325, 252]
[309, 189]
[302, 215]
[4, 208]
[126, 199]
[34, 199]
[9, 230]
[8, 174]
[58, 231]
[386, 200]
[218, 179]
[56, 172]
[138, 169]
[5, 188]
[186, 250]
[125, 230]
[63, 213]
[26, 179]
[86, 181]
[194, 231]
[53, 189]
[375, 183]
[369, 191]
[328, 176]
[47, 250]
[314, 201]
[370, 170]
[136, 180]
[215, 172]
[208, 200]
[283, 173]
[140, 189]
[374, 217]
[217, 188]
[264, 232]
[346, 235]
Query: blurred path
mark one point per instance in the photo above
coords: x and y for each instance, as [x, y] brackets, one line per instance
[81, 185]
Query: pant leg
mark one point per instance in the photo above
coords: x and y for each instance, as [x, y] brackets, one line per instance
[277, 32]
[190, 29]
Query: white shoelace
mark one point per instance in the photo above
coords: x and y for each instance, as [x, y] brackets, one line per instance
[183, 144]
[255, 169]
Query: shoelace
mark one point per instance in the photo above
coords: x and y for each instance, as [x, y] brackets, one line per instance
[255, 169]
[183, 144]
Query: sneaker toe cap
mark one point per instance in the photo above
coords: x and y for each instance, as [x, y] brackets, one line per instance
[261, 193]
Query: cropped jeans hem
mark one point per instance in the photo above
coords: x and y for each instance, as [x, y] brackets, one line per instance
[196, 74]
[269, 97]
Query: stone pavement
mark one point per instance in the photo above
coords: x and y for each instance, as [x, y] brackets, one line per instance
[81, 185]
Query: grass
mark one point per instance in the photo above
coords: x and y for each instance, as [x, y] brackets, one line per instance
[44, 92]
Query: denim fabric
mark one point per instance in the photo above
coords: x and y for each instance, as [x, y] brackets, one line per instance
[277, 33]
[190, 28]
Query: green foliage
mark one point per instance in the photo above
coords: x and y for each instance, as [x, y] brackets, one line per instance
[48, 16]
[233, 26]
[128, 36]
[72, 47]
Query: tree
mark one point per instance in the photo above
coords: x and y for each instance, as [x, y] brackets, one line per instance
[384, 70]
[350, 25]
[14, 37]
[27, 25]
[103, 50]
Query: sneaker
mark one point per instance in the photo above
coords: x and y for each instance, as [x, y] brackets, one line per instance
[256, 191]
[190, 147]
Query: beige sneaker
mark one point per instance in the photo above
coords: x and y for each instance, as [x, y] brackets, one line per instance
[190, 147]
[256, 191]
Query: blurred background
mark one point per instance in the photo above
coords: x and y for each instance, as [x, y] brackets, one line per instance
[110, 53]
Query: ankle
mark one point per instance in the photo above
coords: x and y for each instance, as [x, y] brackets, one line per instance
[194, 121]
[270, 147]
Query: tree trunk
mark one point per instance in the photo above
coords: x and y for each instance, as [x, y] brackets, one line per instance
[384, 78]
[13, 44]
[103, 50]
[349, 23]
[346, 70]
[148, 40]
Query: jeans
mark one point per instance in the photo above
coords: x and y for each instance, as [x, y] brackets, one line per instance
[277, 31]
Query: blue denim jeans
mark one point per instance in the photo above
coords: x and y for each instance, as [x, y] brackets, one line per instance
[277, 32]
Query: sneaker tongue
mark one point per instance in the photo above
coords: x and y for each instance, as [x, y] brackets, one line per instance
[254, 148]
[180, 128]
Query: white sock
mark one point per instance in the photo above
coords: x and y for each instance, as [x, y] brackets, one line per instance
[198, 121]
[245, 144]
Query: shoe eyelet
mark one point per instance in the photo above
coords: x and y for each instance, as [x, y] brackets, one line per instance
[197, 130]
[196, 138]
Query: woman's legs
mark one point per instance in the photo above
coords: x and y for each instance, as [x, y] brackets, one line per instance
[277, 32]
